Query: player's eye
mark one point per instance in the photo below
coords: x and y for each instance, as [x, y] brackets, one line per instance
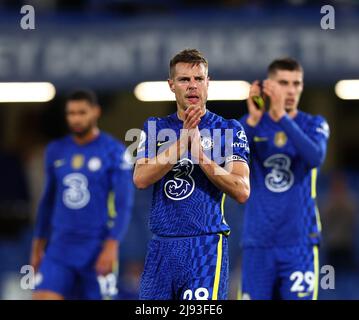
[183, 79]
[283, 82]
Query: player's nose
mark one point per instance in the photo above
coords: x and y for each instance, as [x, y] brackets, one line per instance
[291, 90]
[192, 83]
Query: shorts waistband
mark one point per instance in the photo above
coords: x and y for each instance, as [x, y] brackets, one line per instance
[169, 238]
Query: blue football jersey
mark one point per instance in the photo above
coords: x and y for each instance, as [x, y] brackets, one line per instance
[185, 202]
[281, 209]
[80, 180]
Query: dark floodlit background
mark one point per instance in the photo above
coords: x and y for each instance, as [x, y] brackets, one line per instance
[112, 45]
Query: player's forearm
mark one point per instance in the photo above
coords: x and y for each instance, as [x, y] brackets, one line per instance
[124, 196]
[235, 185]
[38, 245]
[111, 244]
[37, 252]
[312, 153]
[43, 221]
[156, 168]
[252, 121]
[44, 214]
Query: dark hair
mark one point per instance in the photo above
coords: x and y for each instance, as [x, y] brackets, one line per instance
[192, 56]
[83, 94]
[286, 63]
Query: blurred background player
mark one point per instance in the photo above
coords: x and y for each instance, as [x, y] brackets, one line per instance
[188, 256]
[281, 225]
[84, 210]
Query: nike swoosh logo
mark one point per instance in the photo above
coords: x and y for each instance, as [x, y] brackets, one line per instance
[160, 143]
[59, 163]
[303, 294]
[259, 139]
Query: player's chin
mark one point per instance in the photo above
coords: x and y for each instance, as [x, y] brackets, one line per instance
[290, 107]
[78, 131]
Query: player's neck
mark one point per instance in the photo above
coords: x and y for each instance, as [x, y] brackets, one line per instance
[88, 137]
[293, 113]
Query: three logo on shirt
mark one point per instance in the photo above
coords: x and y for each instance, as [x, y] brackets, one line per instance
[182, 184]
[280, 178]
[76, 195]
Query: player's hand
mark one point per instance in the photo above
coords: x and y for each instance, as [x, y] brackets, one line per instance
[192, 118]
[37, 253]
[195, 143]
[108, 258]
[255, 114]
[277, 99]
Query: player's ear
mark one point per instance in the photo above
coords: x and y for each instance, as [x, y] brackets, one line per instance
[171, 84]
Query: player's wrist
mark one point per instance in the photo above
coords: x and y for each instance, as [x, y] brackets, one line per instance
[205, 163]
[252, 121]
[111, 243]
[38, 244]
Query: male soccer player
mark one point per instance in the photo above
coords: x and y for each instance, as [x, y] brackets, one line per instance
[281, 223]
[197, 157]
[84, 210]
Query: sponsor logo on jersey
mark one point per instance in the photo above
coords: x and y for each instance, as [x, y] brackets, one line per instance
[182, 185]
[243, 143]
[241, 135]
[76, 195]
[280, 178]
[240, 145]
